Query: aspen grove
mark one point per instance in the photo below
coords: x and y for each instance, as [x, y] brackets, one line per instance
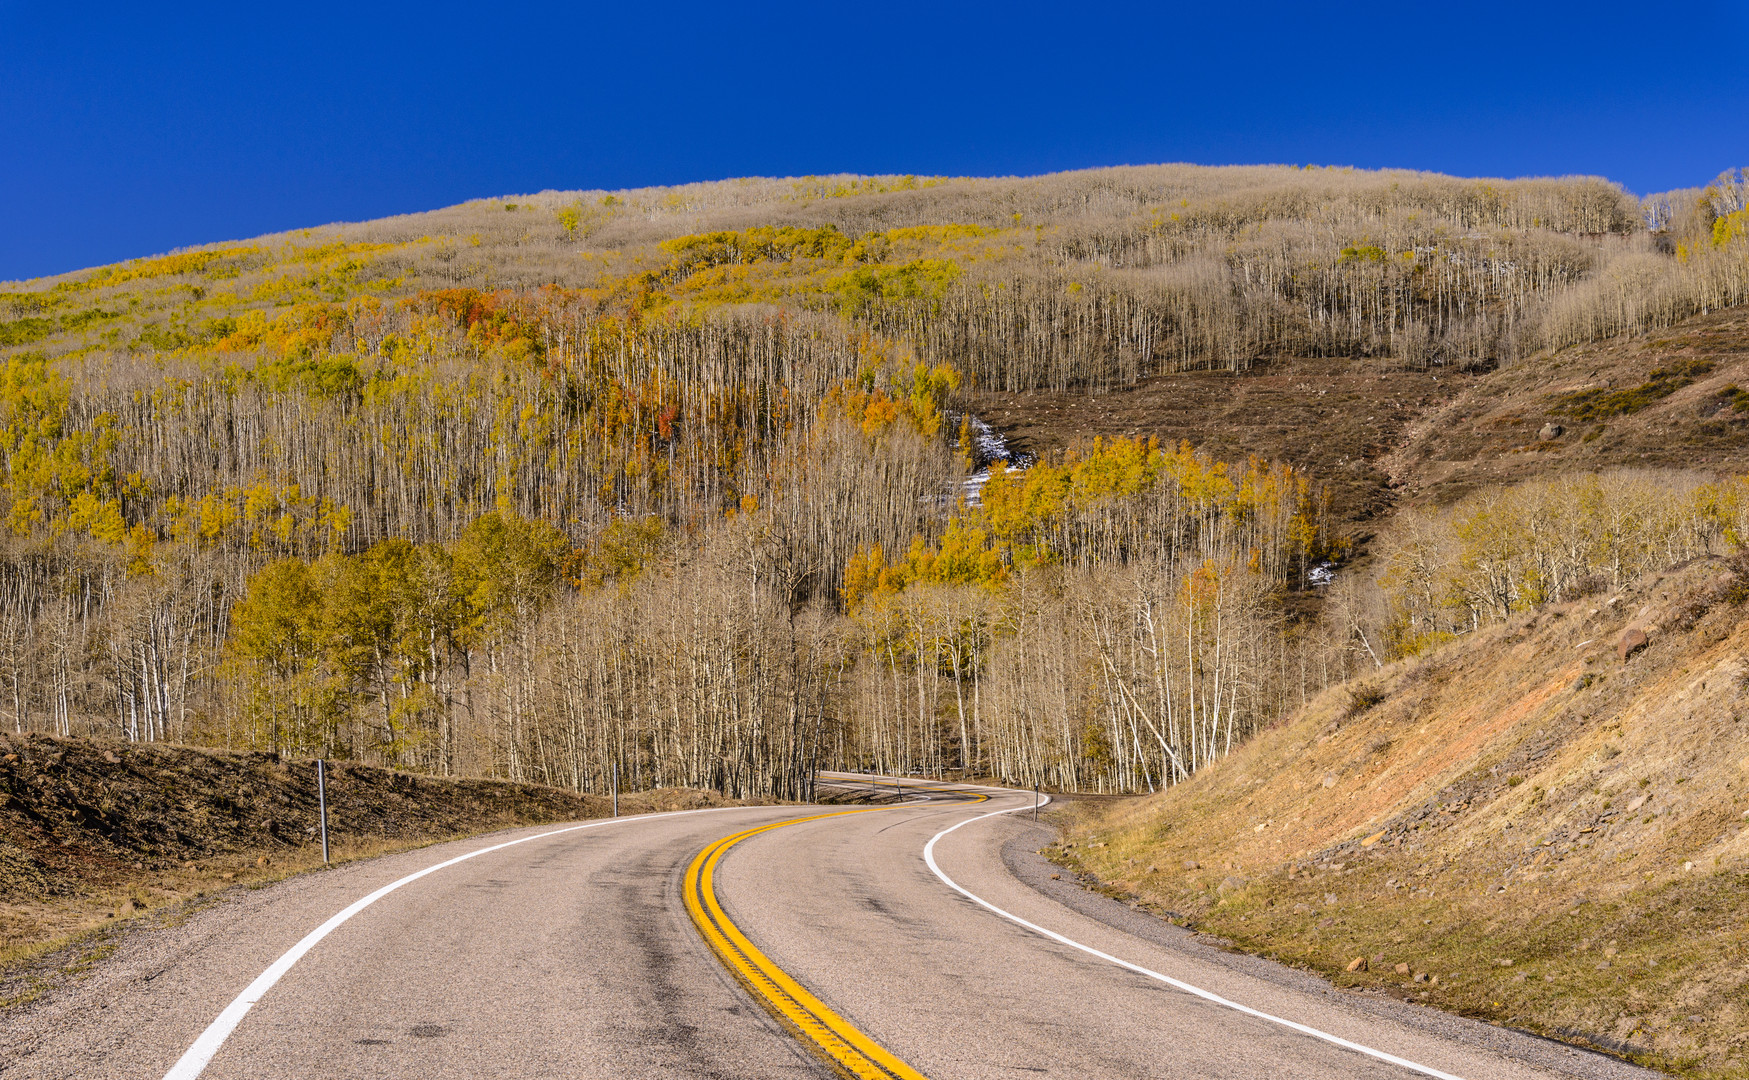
[673, 481]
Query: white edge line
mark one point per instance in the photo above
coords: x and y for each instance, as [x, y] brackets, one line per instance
[929, 857]
[196, 1058]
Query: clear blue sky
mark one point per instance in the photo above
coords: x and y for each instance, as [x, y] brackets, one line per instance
[131, 130]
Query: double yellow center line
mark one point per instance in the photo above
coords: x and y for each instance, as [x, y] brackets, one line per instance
[847, 1050]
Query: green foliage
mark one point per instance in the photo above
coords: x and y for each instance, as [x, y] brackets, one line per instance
[965, 555]
[860, 290]
[24, 331]
[1600, 403]
[280, 637]
[49, 469]
[79, 320]
[34, 303]
[37, 327]
[347, 639]
[1271, 512]
[506, 568]
[750, 404]
[816, 187]
[163, 338]
[1736, 397]
[621, 553]
[318, 377]
[766, 244]
[1362, 253]
[279, 622]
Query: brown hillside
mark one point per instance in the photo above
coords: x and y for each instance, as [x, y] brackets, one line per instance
[1610, 400]
[1522, 826]
[1337, 418]
[1377, 436]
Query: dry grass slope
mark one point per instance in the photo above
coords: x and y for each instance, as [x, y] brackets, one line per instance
[1522, 827]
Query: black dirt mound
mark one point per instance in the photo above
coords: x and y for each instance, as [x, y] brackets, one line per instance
[77, 814]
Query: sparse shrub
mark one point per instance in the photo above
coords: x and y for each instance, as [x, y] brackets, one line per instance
[1585, 585]
[1737, 587]
[1735, 397]
[1363, 698]
[1601, 402]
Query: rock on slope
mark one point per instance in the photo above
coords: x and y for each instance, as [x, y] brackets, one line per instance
[1545, 823]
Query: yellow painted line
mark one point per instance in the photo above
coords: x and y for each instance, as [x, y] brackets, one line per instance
[850, 1052]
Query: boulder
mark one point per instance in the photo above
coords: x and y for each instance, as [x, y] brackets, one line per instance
[1632, 640]
[1551, 432]
[1357, 964]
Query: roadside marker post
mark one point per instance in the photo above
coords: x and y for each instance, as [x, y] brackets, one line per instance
[322, 804]
[616, 789]
[1035, 800]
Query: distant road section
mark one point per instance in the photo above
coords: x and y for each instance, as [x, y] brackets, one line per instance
[750, 942]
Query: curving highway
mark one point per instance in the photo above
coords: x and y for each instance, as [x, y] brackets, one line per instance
[921, 937]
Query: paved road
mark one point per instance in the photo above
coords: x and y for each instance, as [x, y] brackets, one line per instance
[573, 955]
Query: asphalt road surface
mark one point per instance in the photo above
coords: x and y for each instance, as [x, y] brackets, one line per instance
[575, 953]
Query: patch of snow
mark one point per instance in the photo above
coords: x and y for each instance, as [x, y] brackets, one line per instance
[988, 447]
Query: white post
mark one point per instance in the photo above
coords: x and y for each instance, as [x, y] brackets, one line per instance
[322, 804]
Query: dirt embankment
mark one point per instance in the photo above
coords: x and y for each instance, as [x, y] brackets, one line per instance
[93, 831]
[1545, 824]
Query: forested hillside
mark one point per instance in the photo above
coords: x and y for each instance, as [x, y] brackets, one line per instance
[674, 478]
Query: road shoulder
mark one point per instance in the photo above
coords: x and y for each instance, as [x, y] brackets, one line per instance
[1020, 856]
